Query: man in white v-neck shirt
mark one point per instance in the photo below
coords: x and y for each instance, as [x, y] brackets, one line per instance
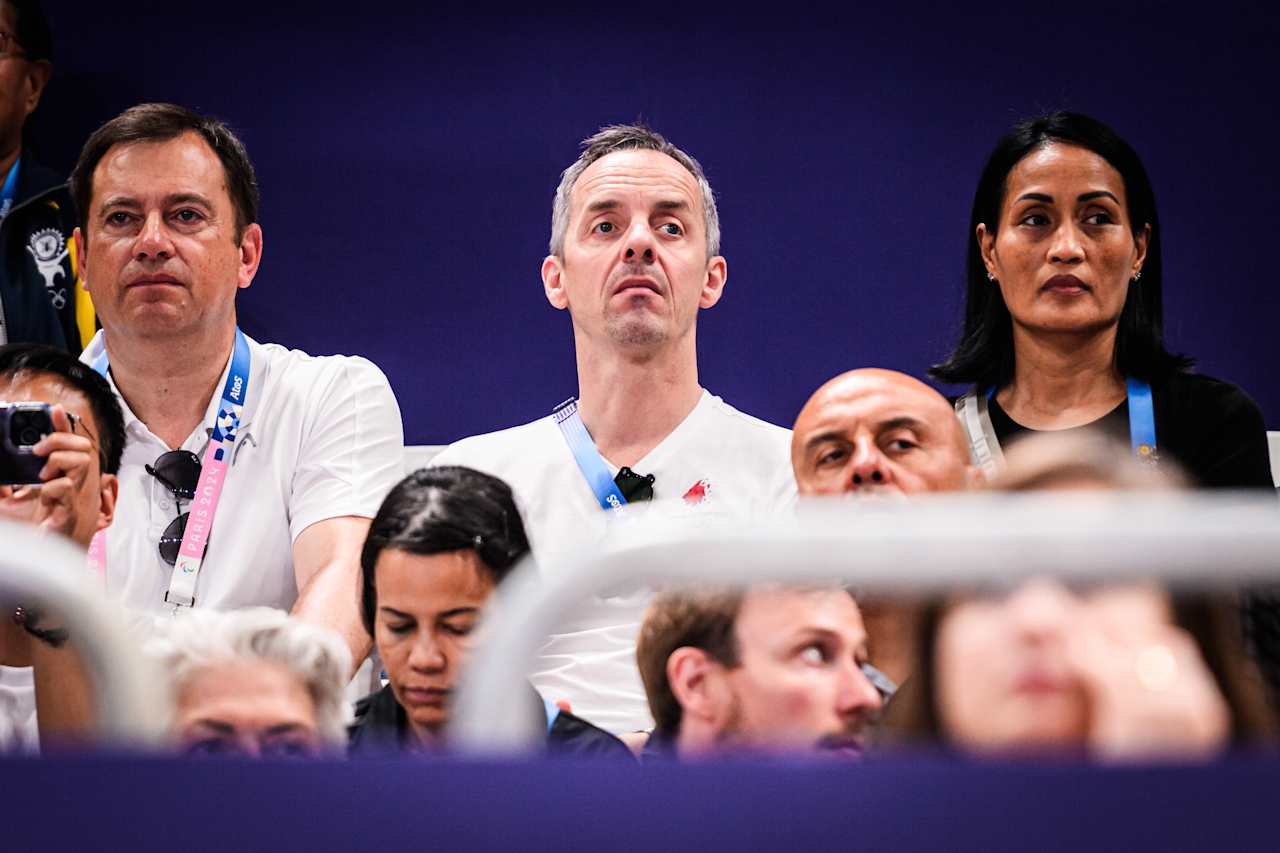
[168, 235]
[634, 256]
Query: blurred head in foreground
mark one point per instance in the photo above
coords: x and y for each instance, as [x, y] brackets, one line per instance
[774, 669]
[1114, 671]
[255, 683]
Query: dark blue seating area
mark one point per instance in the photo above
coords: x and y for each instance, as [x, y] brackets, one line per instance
[101, 803]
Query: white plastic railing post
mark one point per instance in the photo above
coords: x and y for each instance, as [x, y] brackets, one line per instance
[1186, 540]
[48, 573]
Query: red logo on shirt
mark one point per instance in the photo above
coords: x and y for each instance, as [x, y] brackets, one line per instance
[698, 492]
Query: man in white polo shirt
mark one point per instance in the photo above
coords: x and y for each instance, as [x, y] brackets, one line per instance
[634, 256]
[250, 471]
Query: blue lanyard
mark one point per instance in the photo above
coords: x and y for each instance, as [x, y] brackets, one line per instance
[593, 467]
[10, 189]
[1142, 419]
[195, 539]
[553, 711]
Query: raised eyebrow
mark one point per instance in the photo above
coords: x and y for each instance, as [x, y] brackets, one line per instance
[668, 206]
[603, 205]
[1097, 194]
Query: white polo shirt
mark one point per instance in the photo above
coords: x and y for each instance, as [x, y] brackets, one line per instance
[718, 462]
[320, 437]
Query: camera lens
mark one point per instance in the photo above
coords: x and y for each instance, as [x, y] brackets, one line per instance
[28, 427]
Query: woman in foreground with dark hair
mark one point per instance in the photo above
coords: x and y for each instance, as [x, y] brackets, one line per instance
[1110, 671]
[442, 541]
[1063, 317]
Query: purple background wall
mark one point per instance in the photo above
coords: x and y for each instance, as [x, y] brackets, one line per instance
[407, 160]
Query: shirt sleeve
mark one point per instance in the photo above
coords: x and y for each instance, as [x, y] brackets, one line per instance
[353, 449]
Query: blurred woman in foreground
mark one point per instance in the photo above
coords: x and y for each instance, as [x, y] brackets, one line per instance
[1116, 671]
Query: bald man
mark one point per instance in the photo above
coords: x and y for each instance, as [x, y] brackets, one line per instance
[878, 433]
[874, 431]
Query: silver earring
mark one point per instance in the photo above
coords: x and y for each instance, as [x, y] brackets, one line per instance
[1137, 276]
[990, 276]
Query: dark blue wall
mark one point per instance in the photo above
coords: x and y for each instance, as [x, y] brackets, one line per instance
[408, 158]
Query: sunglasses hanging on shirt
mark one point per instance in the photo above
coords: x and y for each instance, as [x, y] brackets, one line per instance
[634, 487]
[179, 472]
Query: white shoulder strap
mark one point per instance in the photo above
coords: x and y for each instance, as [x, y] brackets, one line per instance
[984, 447]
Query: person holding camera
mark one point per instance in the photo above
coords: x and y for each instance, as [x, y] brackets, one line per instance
[59, 461]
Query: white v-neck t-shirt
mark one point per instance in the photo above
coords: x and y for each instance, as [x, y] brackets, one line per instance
[717, 463]
[320, 437]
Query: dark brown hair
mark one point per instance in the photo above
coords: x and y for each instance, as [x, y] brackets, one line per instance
[160, 123]
[701, 618]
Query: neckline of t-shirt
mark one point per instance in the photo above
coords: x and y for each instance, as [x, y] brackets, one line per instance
[257, 378]
[653, 459]
[994, 408]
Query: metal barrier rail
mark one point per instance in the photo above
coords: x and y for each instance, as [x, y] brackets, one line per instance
[49, 573]
[930, 544]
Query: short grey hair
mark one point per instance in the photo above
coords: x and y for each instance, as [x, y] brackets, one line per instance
[186, 644]
[626, 137]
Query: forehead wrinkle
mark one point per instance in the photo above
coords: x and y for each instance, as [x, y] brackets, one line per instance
[627, 174]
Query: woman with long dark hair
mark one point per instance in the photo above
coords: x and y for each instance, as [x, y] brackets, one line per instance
[1063, 320]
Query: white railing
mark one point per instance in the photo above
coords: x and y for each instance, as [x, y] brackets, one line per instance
[48, 573]
[925, 546]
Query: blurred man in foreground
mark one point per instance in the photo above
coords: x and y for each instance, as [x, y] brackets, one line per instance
[772, 670]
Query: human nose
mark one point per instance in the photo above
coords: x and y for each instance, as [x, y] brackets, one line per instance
[869, 467]
[153, 240]
[427, 655]
[639, 243]
[857, 695]
[1040, 609]
[1067, 247]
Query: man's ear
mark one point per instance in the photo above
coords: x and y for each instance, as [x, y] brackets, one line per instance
[108, 491]
[696, 682]
[553, 282]
[713, 287]
[250, 254]
[77, 237]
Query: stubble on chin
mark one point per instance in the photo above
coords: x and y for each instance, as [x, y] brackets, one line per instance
[635, 329]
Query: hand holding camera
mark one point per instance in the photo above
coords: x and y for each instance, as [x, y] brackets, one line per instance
[43, 465]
